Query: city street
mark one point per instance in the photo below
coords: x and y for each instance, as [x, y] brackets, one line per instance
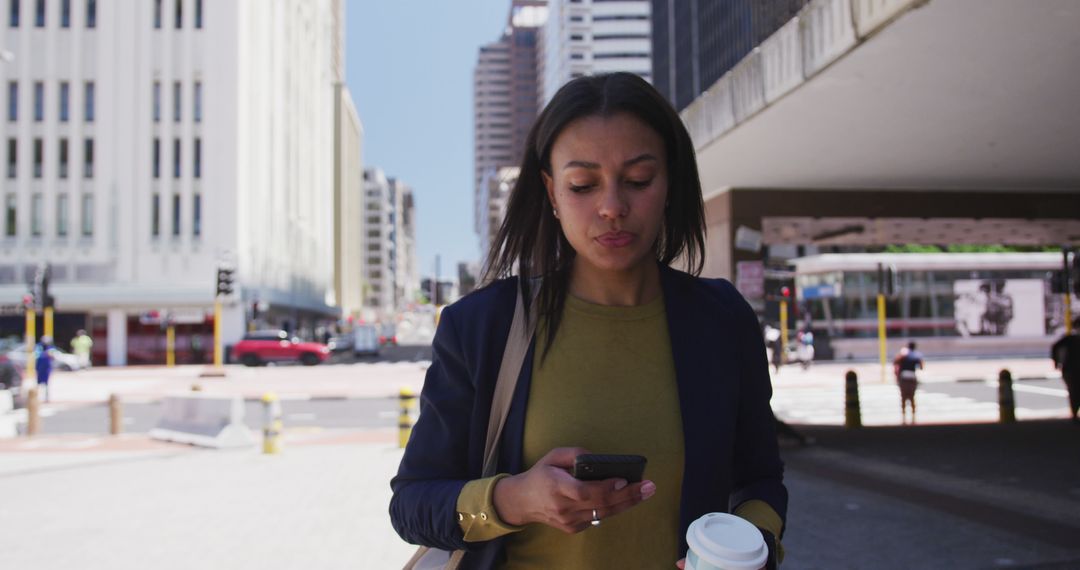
[929, 496]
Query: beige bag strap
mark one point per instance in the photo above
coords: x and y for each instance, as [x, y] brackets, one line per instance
[517, 345]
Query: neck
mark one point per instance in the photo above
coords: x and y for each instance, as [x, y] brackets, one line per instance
[628, 288]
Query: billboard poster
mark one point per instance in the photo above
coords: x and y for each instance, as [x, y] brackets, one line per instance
[1000, 307]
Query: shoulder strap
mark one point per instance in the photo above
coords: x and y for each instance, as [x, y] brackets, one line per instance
[517, 344]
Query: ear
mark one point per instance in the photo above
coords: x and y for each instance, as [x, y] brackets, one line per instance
[549, 185]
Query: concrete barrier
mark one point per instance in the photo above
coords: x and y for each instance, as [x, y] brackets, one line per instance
[204, 420]
[7, 415]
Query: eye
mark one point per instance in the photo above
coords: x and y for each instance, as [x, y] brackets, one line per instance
[579, 189]
[640, 184]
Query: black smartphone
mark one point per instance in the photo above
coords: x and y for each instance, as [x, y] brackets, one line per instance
[598, 466]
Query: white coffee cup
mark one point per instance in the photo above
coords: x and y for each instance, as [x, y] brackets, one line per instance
[719, 541]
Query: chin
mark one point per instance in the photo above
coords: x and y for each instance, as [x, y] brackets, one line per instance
[618, 261]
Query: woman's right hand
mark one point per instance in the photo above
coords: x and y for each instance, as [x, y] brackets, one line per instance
[547, 493]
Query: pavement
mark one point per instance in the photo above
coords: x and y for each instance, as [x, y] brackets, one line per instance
[943, 494]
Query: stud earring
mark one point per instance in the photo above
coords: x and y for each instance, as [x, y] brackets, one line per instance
[555, 212]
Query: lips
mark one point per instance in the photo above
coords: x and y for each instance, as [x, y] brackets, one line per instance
[615, 239]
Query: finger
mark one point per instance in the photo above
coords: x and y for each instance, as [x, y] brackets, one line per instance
[681, 564]
[613, 493]
[563, 456]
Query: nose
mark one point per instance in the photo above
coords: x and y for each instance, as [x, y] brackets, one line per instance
[613, 204]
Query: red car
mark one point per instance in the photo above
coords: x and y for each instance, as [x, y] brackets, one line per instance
[260, 347]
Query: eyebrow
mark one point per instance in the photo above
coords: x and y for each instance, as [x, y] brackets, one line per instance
[593, 166]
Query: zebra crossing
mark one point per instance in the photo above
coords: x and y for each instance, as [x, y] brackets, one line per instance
[880, 405]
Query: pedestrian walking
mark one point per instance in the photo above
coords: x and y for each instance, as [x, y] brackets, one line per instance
[81, 347]
[629, 356]
[905, 365]
[1066, 355]
[43, 361]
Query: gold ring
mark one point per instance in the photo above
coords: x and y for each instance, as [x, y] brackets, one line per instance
[595, 518]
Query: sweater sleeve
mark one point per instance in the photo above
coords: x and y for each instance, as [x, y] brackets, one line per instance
[477, 516]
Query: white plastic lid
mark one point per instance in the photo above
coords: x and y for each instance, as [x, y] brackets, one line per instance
[727, 542]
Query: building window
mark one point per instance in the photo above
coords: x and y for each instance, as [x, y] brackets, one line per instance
[63, 171]
[39, 101]
[198, 14]
[155, 215]
[91, 13]
[39, 14]
[65, 13]
[39, 157]
[13, 13]
[196, 216]
[65, 98]
[10, 203]
[88, 97]
[176, 92]
[176, 158]
[157, 101]
[12, 158]
[157, 14]
[36, 215]
[61, 215]
[197, 158]
[179, 14]
[157, 158]
[88, 215]
[13, 101]
[198, 102]
[88, 158]
[176, 215]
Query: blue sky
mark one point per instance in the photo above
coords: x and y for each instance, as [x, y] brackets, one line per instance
[409, 67]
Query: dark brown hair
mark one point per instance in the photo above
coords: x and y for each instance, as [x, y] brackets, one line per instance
[530, 239]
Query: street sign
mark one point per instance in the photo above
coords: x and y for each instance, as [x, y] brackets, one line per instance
[747, 239]
[750, 279]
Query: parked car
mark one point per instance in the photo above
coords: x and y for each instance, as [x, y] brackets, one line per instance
[341, 343]
[61, 360]
[11, 379]
[366, 341]
[260, 347]
[388, 335]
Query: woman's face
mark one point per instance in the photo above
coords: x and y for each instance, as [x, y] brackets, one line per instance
[609, 187]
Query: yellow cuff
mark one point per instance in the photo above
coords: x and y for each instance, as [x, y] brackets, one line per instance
[762, 515]
[476, 511]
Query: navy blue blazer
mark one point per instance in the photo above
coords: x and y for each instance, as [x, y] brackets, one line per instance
[731, 453]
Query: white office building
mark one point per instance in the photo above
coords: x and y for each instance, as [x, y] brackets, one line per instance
[147, 142]
[389, 268]
[586, 37]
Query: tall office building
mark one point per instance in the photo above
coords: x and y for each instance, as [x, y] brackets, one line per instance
[586, 37]
[504, 97]
[148, 142]
[695, 42]
[390, 276]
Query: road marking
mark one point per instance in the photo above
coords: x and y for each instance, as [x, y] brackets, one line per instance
[301, 416]
[1040, 390]
[388, 414]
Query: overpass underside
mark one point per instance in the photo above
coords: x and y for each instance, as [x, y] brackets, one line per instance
[870, 122]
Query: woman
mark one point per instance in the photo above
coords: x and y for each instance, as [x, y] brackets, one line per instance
[630, 356]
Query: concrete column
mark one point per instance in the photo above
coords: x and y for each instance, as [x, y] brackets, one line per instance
[117, 343]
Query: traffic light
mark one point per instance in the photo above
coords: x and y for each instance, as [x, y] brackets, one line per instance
[888, 280]
[785, 293]
[224, 281]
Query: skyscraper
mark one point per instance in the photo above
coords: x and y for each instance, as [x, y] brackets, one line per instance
[584, 37]
[504, 97]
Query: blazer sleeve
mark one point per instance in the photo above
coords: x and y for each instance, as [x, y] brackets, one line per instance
[759, 472]
[434, 467]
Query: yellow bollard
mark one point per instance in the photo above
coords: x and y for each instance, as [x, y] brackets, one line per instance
[33, 413]
[852, 411]
[170, 346]
[407, 400]
[272, 424]
[116, 415]
[1006, 402]
[31, 340]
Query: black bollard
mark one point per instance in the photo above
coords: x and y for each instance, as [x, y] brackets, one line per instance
[852, 412]
[1006, 402]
